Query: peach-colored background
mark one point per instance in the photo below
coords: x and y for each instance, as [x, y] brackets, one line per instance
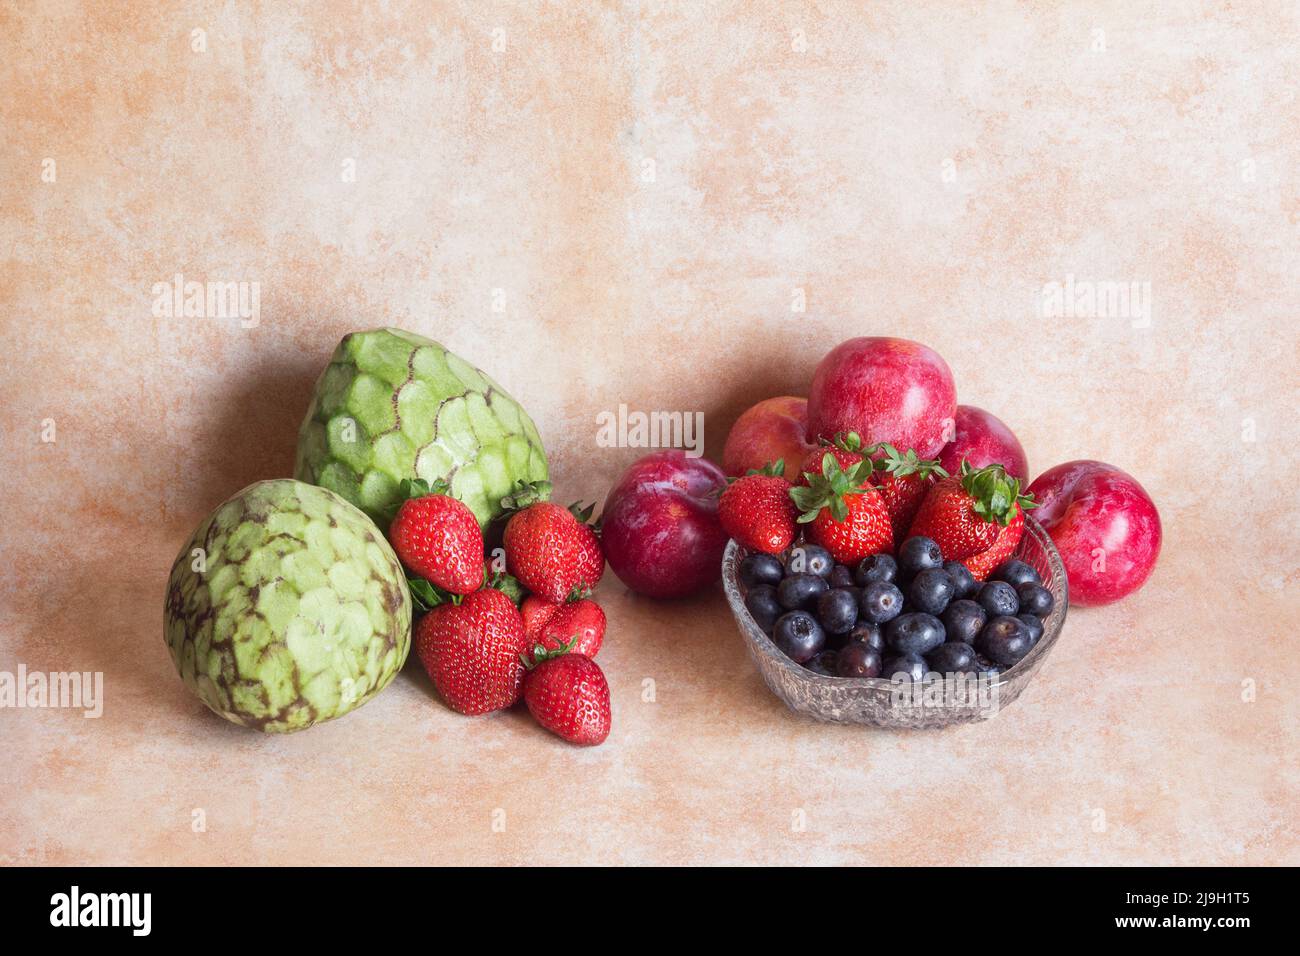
[1169, 156]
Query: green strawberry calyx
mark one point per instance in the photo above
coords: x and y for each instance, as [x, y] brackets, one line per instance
[409, 489]
[773, 469]
[525, 493]
[509, 585]
[994, 494]
[541, 654]
[428, 595]
[829, 489]
[890, 460]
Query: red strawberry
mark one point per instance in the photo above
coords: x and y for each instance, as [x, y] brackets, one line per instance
[903, 480]
[581, 622]
[846, 449]
[438, 538]
[964, 513]
[981, 565]
[569, 696]
[536, 613]
[552, 553]
[471, 651]
[844, 514]
[757, 511]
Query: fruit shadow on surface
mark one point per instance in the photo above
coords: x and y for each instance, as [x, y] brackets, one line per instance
[253, 432]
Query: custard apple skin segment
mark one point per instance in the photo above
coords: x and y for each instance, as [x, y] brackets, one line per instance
[286, 608]
[392, 405]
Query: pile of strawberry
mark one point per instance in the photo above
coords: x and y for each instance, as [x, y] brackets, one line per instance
[857, 501]
[491, 635]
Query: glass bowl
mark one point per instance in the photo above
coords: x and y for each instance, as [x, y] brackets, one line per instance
[934, 702]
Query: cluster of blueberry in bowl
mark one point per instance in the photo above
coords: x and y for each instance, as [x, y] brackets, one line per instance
[903, 616]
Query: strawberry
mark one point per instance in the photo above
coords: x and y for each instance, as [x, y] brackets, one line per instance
[981, 565]
[552, 552]
[846, 449]
[568, 695]
[471, 651]
[438, 538]
[581, 622]
[903, 480]
[965, 512]
[844, 514]
[757, 511]
[536, 613]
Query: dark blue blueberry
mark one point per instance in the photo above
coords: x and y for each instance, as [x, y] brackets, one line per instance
[837, 610]
[1004, 640]
[953, 657]
[841, 576]
[763, 605]
[931, 591]
[963, 620]
[761, 569]
[1035, 599]
[985, 666]
[998, 599]
[858, 660]
[1035, 626]
[876, 567]
[823, 663]
[914, 633]
[799, 636]
[918, 554]
[800, 591]
[1015, 572]
[811, 559]
[962, 580]
[903, 667]
[868, 634]
[880, 602]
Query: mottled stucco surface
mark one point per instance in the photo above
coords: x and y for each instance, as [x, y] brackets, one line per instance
[624, 203]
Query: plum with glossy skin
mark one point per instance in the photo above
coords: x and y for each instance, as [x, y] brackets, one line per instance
[983, 439]
[659, 527]
[885, 389]
[1105, 526]
[772, 429]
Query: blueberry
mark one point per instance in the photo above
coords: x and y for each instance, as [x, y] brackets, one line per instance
[1015, 572]
[919, 553]
[811, 559]
[998, 599]
[1035, 626]
[858, 660]
[931, 591]
[1004, 640]
[761, 569]
[877, 567]
[953, 657]
[799, 591]
[837, 610]
[868, 634]
[1035, 599]
[914, 633]
[963, 581]
[823, 663]
[763, 606]
[880, 602]
[841, 576]
[985, 666]
[903, 667]
[963, 620]
[799, 636]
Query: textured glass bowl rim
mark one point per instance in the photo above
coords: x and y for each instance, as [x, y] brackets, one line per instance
[1023, 668]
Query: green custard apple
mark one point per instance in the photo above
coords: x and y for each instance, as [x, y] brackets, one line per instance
[394, 405]
[286, 608]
